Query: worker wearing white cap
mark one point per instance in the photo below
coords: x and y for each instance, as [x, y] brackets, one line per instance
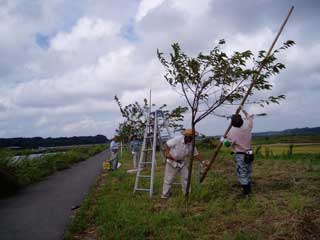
[177, 149]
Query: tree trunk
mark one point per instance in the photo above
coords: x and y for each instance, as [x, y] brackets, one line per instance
[191, 158]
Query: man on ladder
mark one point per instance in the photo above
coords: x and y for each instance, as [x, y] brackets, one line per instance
[176, 150]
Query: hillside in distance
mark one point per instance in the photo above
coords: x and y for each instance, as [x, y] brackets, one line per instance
[293, 131]
[36, 142]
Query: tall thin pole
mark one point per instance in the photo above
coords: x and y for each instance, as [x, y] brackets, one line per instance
[213, 158]
[154, 145]
[150, 101]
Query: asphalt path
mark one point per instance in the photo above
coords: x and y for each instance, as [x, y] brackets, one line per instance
[43, 210]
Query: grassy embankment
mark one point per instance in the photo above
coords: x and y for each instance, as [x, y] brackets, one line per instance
[285, 203]
[19, 173]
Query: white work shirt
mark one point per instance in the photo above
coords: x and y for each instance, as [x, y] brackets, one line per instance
[241, 137]
[114, 145]
[178, 149]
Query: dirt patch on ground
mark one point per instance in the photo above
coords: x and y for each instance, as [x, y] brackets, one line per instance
[309, 226]
[88, 234]
[159, 206]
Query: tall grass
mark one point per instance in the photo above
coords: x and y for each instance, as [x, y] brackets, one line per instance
[287, 139]
[25, 171]
[291, 152]
[284, 195]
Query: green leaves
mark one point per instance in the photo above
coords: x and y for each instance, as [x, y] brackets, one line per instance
[277, 67]
[134, 118]
[216, 78]
[287, 44]
[262, 54]
[269, 100]
[222, 41]
[134, 123]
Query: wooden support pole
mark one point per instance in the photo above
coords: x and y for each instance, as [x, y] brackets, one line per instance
[150, 101]
[214, 156]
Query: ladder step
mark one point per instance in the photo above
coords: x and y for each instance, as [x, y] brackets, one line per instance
[165, 136]
[143, 189]
[146, 163]
[148, 149]
[144, 176]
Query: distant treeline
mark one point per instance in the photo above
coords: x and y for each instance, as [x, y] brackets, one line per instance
[37, 142]
[293, 131]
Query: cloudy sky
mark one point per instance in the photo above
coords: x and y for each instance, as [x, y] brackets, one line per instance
[63, 61]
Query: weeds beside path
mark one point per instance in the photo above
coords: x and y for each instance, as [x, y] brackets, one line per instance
[20, 173]
[42, 210]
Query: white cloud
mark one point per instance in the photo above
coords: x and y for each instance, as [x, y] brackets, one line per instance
[68, 88]
[192, 8]
[42, 121]
[304, 57]
[189, 7]
[86, 30]
[146, 6]
[255, 41]
[84, 124]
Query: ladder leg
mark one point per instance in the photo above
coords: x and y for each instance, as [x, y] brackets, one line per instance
[152, 138]
[154, 148]
[141, 158]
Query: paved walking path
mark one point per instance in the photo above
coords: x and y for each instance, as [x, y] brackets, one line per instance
[42, 211]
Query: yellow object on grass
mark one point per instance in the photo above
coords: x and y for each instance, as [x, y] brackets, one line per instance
[106, 165]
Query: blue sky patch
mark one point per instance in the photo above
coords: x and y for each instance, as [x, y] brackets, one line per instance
[127, 32]
[42, 40]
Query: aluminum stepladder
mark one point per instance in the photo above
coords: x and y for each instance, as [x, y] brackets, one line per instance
[147, 158]
[156, 133]
[163, 132]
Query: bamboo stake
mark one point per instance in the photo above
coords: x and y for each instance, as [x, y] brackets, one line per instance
[150, 101]
[213, 158]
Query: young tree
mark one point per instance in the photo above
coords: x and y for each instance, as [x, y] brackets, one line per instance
[135, 121]
[210, 81]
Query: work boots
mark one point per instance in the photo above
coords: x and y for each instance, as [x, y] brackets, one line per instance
[246, 189]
